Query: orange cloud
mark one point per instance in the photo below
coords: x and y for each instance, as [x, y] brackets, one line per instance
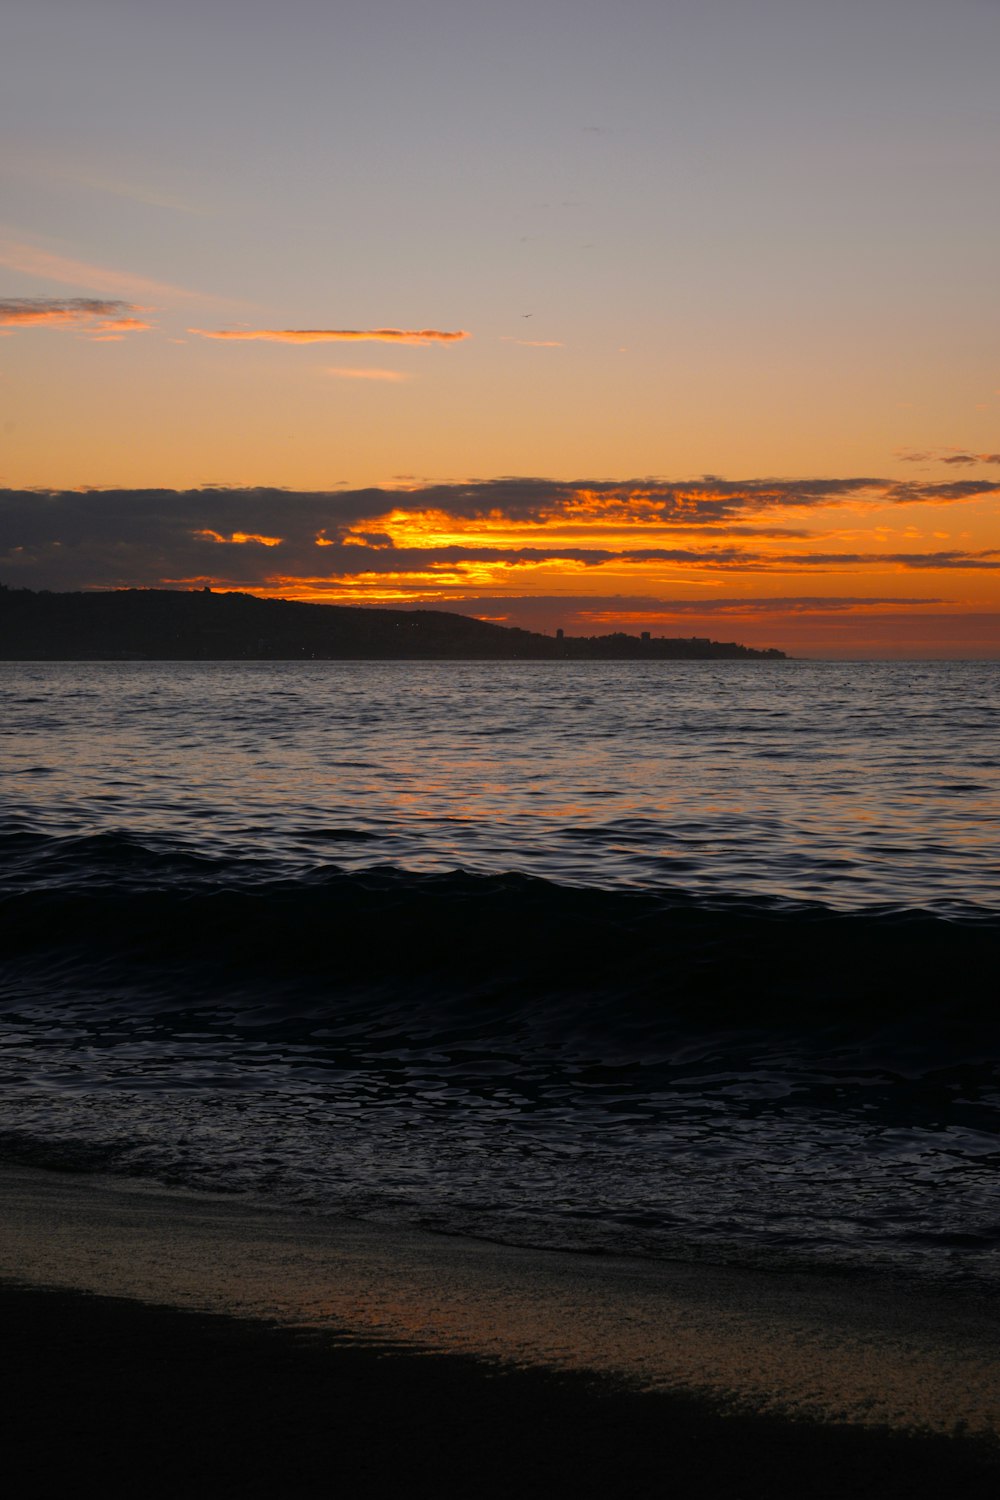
[337, 335]
[239, 537]
[106, 319]
[344, 372]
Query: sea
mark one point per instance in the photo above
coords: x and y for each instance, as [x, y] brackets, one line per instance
[679, 960]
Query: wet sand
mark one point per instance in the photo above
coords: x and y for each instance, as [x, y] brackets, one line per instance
[207, 1346]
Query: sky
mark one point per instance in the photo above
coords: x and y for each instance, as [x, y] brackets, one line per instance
[677, 315]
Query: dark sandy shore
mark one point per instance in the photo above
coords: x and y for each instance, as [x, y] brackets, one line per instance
[159, 1342]
[153, 1401]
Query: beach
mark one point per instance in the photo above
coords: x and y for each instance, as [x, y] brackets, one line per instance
[164, 1341]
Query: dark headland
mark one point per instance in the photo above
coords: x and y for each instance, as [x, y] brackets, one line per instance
[179, 625]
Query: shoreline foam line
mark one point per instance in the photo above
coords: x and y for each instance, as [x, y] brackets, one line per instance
[833, 1349]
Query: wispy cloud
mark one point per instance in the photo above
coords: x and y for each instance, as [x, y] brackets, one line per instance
[532, 343]
[344, 372]
[100, 318]
[958, 457]
[32, 260]
[337, 335]
[580, 607]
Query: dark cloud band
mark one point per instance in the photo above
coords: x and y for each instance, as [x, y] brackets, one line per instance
[250, 537]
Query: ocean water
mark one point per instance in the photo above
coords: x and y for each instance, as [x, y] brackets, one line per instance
[690, 960]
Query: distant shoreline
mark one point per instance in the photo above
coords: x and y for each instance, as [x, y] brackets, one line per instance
[199, 625]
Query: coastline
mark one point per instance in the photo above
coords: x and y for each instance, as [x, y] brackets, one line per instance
[334, 1345]
[173, 625]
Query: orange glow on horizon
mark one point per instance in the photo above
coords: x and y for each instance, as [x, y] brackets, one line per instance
[919, 564]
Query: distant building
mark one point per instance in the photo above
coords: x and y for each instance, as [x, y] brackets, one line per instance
[559, 635]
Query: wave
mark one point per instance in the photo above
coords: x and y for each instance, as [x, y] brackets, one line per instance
[143, 924]
[647, 1072]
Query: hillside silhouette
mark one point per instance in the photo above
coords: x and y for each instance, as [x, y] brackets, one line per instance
[177, 625]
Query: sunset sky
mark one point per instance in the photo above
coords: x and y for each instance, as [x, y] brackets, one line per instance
[677, 315]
